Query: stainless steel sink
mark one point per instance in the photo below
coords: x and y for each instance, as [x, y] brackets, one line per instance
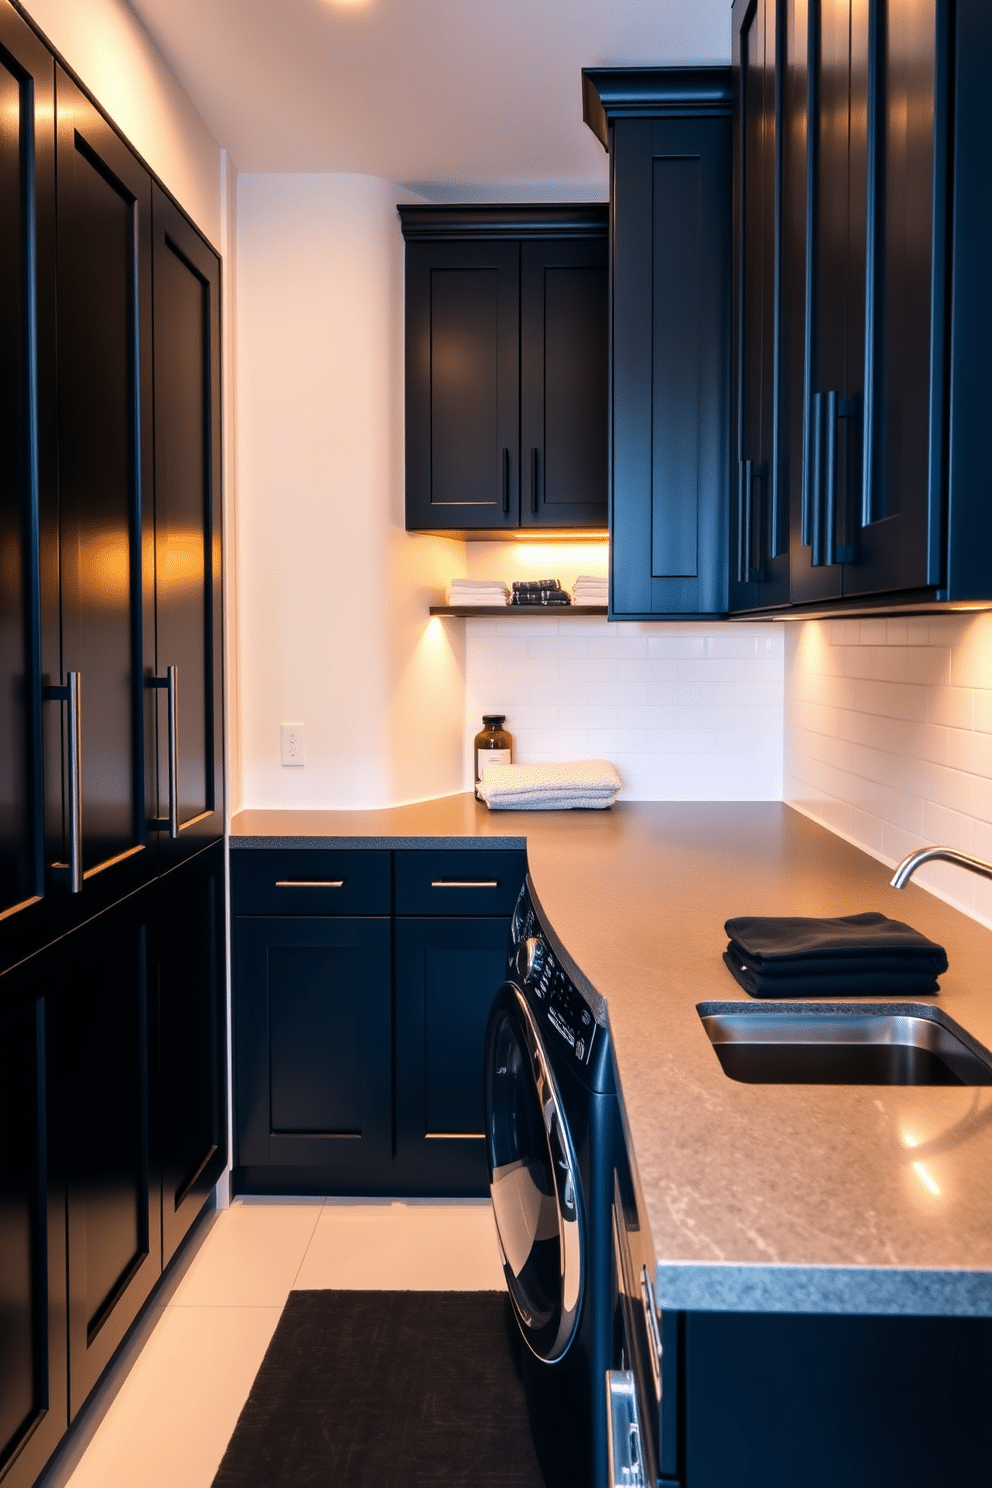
[796, 1044]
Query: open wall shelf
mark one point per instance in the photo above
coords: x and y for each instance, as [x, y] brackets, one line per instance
[517, 612]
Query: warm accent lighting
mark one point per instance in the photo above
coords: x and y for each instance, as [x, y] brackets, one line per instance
[926, 1179]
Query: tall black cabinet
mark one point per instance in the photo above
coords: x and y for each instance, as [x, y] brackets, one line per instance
[112, 1021]
[27, 460]
[97, 616]
[668, 131]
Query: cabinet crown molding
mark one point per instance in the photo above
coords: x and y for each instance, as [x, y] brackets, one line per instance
[610, 93]
[505, 220]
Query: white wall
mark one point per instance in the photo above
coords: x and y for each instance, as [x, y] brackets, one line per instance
[333, 594]
[685, 711]
[108, 48]
[888, 738]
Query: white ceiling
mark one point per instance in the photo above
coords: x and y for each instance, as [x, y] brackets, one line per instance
[449, 97]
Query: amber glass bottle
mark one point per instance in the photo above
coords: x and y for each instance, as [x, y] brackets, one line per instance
[494, 746]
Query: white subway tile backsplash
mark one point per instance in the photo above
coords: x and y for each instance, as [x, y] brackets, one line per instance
[685, 711]
[887, 725]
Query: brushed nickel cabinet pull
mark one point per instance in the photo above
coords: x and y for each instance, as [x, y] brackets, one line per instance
[170, 683]
[309, 883]
[72, 872]
[465, 883]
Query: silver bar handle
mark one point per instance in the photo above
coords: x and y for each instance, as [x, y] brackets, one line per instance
[71, 693]
[74, 689]
[465, 883]
[172, 687]
[171, 684]
[623, 1438]
[309, 883]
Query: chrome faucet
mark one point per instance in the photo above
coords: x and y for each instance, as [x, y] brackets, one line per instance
[915, 860]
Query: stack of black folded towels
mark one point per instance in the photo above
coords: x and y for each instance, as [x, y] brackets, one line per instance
[853, 956]
[539, 592]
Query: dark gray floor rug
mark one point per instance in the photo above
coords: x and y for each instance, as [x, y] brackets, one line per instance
[395, 1390]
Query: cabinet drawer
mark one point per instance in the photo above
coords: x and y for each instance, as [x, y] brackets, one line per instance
[450, 882]
[310, 881]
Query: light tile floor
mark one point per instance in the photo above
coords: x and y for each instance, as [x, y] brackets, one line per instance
[174, 1414]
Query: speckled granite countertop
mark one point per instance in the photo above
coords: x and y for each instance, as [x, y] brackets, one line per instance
[758, 1197]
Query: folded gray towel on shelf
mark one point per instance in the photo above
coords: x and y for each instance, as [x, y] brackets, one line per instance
[589, 785]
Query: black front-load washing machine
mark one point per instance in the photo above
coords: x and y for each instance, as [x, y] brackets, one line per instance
[550, 1112]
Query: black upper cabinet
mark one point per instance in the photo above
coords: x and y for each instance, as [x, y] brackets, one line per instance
[835, 413]
[27, 463]
[506, 364]
[98, 622]
[759, 511]
[969, 380]
[185, 706]
[563, 383]
[669, 136]
[462, 385]
[890, 498]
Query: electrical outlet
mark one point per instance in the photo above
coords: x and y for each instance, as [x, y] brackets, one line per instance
[293, 743]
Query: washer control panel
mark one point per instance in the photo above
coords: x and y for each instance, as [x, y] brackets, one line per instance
[534, 965]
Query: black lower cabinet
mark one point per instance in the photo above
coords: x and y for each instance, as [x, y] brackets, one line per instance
[113, 1123]
[358, 1038]
[190, 1131]
[33, 1398]
[775, 1400]
[313, 1054]
[100, 1070]
[447, 972]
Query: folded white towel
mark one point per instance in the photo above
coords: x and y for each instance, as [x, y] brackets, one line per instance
[591, 591]
[586, 784]
[481, 601]
[479, 584]
[478, 592]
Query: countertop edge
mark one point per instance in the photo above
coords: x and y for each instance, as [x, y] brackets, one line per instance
[380, 844]
[883, 1291]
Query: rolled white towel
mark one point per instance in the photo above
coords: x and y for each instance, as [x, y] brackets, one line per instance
[588, 784]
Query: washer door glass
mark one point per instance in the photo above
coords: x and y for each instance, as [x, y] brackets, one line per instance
[533, 1181]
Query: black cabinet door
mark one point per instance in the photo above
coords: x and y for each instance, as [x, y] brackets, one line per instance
[100, 1076]
[190, 1130]
[100, 624]
[837, 59]
[313, 1055]
[462, 385]
[759, 564]
[671, 264]
[447, 973]
[33, 1402]
[969, 453]
[898, 541]
[27, 464]
[188, 696]
[564, 324]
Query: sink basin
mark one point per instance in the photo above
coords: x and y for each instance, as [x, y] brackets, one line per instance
[795, 1044]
